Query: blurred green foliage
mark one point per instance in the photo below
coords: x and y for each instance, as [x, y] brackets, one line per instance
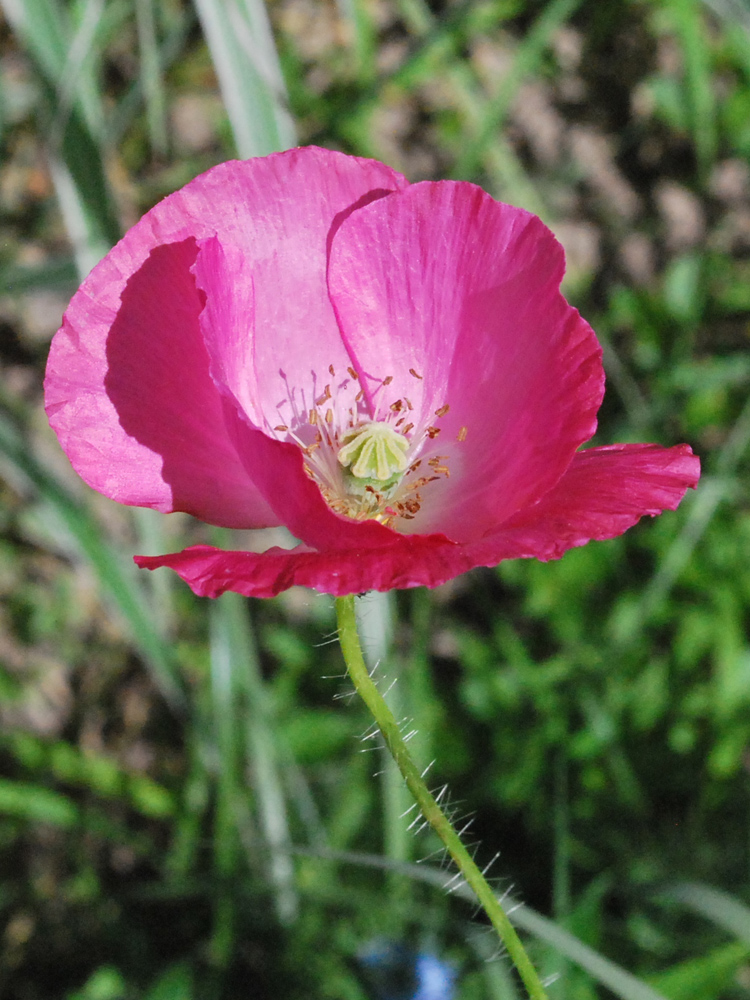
[184, 810]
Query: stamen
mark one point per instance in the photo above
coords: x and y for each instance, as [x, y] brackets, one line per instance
[461, 434]
[325, 397]
[419, 483]
[408, 404]
[442, 411]
[331, 370]
[414, 374]
[407, 428]
[353, 373]
[329, 416]
[359, 396]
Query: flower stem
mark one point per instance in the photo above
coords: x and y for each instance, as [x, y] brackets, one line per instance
[368, 691]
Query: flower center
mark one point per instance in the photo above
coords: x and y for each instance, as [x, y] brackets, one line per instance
[365, 468]
[374, 454]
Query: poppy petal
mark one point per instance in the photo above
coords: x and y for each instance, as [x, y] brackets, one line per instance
[604, 492]
[129, 394]
[132, 402]
[456, 297]
[415, 561]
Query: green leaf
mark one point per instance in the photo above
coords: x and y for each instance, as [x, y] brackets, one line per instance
[35, 804]
[106, 983]
[703, 978]
[174, 984]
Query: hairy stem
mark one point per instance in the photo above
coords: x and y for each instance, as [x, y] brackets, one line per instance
[368, 691]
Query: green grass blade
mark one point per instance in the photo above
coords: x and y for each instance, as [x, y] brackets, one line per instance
[173, 46]
[688, 20]
[107, 563]
[75, 121]
[375, 623]
[152, 83]
[724, 910]
[74, 79]
[44, 28]
[244, 56]
[82, 194]
[364, 38]
[251, 710]
[58, 273]
[229, 787]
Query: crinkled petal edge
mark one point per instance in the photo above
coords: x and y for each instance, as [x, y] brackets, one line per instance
[605, 491]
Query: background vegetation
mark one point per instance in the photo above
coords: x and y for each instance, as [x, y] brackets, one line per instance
[185, 813]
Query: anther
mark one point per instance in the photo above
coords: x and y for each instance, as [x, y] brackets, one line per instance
[329, 416]
[387, 380]
[353, 373]
[408, 404]
[359, 396]
[407, 428]
[331, 370]
[461, 434]
[312, 417]
[432, 432]
[397, 406]
[326, 396]
[442, 411]
[281, 427]
[414, 374]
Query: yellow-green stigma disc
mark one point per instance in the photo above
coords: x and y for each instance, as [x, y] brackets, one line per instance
[374, 452]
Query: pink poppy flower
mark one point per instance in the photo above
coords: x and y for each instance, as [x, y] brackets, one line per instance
[387, 369]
